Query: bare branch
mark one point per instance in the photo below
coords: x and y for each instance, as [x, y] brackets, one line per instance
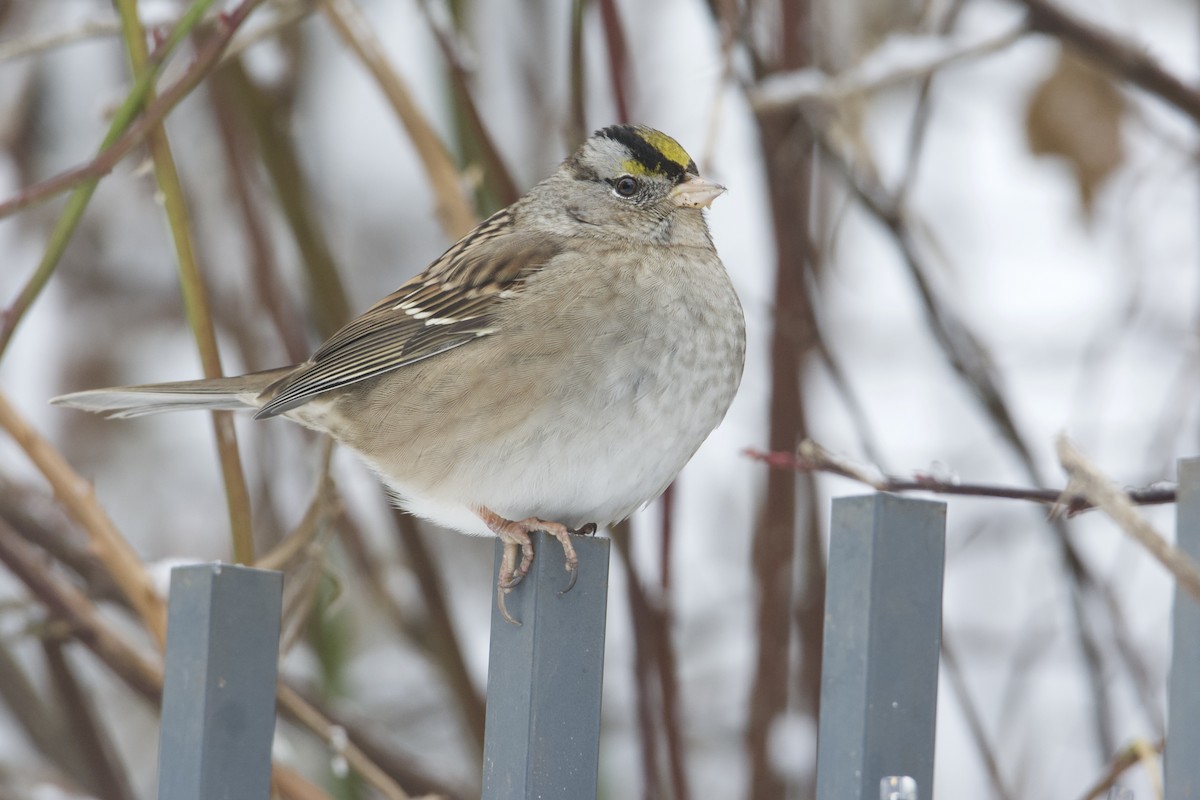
[453, 210]
[1122, 58]
[878, 71]
[123, 135]
[1102, 493]
[108, 157]
[814, 458]
[87, 625]
[39, 42]
[957, 683]
[80, 499]
[296, 707]
[1138, 751]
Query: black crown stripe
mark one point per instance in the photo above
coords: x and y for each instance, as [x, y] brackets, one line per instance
[645, 153]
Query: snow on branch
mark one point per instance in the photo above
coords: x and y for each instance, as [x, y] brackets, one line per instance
[902, 58]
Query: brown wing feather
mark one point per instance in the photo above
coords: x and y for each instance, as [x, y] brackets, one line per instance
[444, 307]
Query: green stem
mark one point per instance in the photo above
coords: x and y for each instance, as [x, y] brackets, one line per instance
[73, 212]
[195, 297]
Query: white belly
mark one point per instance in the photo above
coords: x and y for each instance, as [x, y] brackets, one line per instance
[596, 460]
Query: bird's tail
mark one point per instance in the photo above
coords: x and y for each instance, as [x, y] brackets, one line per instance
[236, 394]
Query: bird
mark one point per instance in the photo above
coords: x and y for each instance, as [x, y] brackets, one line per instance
[553, 370]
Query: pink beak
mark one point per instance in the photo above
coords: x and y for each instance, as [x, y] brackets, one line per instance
[696, 192]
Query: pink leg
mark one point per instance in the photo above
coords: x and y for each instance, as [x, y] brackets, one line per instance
[515, 536]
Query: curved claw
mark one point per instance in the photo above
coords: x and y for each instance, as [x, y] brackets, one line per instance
[510, 575]
[574, 572]
[500, 592]
[515, 535]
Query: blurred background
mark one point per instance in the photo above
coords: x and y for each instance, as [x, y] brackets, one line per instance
[958, 228]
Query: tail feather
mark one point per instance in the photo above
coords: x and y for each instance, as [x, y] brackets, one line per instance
[212, 394]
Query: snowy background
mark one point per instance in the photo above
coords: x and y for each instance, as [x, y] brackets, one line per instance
[1052, 207]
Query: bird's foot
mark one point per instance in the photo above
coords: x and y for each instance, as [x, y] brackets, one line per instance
[515, 536]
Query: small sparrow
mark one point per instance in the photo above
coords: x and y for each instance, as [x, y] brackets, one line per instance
[555, 368]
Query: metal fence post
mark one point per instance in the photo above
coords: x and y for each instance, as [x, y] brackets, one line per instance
[218, 709]
[1181, 768]
[542, 731]
[883, 621]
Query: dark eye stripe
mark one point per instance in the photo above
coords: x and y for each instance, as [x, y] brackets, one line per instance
[646, 154]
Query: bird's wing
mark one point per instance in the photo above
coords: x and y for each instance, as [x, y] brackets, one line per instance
[444, 307]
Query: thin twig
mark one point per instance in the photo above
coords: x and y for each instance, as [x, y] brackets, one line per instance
[576, 83]
[286, 15]
[273, 297]
[640, 611]
[442, 643]
[432, 633]
[970, 360]
[1101, 492]
[814, 458]
[1129, 756]
[89, 627]
[124, 134]
[1129, 61]
[324, 505]
[195, 297]
[120, 137]
[291, 785]
[497, 176]
[34, 514]
[923, 112]
[453, 210]
[295, 706]
[380, 748]
[44, 721]
[963, 349]
[86, 624]
[957, 682]
[267, 117]
[617, 50]
[787, 529]
[80, 499]
[100, 761]
[39, 42]
[784, 90]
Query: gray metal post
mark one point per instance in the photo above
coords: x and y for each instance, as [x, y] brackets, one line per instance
[542, 732]
[1181, 768]
[218, 709]
[883, 623]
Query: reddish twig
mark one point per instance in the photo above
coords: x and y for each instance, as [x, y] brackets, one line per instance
[813, 458]
[641, 612]
[155, 113]
[787, 530]
[497, 175]
[618, 57]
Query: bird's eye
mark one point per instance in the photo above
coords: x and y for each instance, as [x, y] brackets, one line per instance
[626, 186]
